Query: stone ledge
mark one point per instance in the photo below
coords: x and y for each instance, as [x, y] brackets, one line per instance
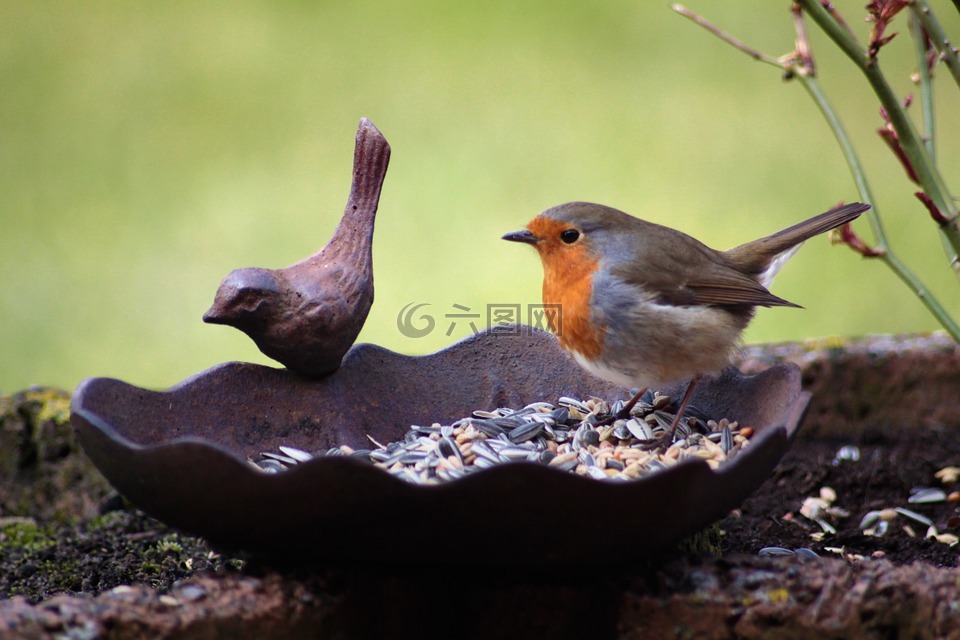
[747, 597]
[873, 382]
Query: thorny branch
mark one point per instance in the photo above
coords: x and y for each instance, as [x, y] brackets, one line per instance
[803, 52]
[832, 10]
[889, 135]
[948, 52]
[750, 51]
[846, 235]
[910, 141]
[926, 60]
[800, 64]
[881, 13]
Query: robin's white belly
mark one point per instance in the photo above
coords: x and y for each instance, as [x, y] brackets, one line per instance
[662, 344]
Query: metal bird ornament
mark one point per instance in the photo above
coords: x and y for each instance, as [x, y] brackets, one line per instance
[306, 316]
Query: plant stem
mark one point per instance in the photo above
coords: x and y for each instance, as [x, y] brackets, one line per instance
[849, 153]
[750, 51]
[918, 288]
[948, 53]
[798, 69]
[925, 79]
[926, 86]
[873, 216]
[916, 152]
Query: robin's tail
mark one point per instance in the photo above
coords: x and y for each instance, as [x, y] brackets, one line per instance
[764, 257]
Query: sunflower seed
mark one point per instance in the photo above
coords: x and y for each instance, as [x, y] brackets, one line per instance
[566, 461]
[426, 431]
[586, 458]
[525, 432]
[613, 463]
[826, 526]
[565, 436]
[488, 427]
[543, 418]
[596, 473]
[509, 423]
[682, 430]
[380, 455]
[573, 403]
[726, 439]
[296, 454]
[540, 407]
[589, 437]
[287, 460]
[513, 454]
[271, 466]
[411, 457]
[656, 465]
[546, 456]
[847, 453]
[925, 495]
[640, 429]
[446, 447]
[869, 520]
[662, 419]
[913, 515]
[776, 551]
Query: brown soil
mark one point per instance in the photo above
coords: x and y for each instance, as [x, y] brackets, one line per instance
[891, 463]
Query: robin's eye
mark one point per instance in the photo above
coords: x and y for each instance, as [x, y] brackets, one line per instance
[570, 236]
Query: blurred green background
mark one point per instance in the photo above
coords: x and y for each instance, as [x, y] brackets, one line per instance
[146, 149]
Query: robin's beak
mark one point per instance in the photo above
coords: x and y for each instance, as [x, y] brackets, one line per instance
[522, 236]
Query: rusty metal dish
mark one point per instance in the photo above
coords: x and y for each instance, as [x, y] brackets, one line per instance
[180, 455]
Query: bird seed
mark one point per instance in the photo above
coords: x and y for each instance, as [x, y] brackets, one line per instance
[571, 436]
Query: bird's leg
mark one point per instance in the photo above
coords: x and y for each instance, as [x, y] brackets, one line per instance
[624, 413]
[627, 408]
[682, 408]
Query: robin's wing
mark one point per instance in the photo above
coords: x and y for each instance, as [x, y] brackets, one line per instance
[704, 279]
[732, 288]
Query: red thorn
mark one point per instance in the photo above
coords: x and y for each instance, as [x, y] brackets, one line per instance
[934, 210]
[881, 13]
[893, 141]
[849, 237]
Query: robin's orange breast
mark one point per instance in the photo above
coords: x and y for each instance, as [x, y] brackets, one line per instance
[568, 281]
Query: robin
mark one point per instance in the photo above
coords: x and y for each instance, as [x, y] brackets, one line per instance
[643, 305]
